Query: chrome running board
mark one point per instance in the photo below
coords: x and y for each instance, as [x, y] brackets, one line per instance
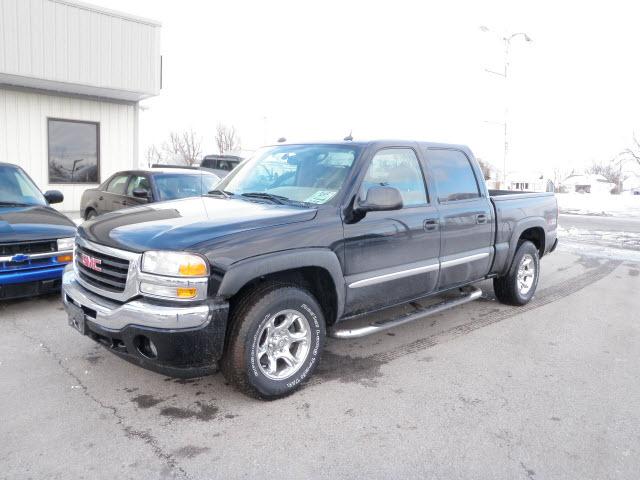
[469, 294]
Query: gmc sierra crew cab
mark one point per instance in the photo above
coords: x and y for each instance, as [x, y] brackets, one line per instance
[299, 242]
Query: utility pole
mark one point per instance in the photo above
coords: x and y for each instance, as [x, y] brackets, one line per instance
[505, 75]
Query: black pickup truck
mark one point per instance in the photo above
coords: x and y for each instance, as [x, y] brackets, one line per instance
[293, 245]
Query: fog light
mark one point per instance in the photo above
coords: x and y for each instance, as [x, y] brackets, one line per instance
[146, 347]
[186, 292]
[64, 258]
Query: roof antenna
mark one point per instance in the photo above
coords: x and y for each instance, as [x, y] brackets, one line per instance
[282, 139]
[349, 138]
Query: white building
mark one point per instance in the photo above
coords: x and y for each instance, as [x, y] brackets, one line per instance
[71, 77]
[631, 183]
[529, 182]
[588, 183]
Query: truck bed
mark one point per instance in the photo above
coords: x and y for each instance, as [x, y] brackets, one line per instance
[517, 194]
[518, 211]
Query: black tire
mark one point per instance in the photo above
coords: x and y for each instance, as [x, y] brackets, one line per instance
[507, 289]
[90, 213]
[240, 364]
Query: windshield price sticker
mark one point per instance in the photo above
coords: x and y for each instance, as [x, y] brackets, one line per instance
[321, 196]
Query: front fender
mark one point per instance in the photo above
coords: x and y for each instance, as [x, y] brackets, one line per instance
[244, 271]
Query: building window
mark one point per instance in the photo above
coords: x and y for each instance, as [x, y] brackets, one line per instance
[74, 151]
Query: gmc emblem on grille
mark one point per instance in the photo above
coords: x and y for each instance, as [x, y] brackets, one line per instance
[90, 262]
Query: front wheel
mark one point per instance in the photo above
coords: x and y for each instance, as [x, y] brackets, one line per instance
[519, 285]
[275, 341]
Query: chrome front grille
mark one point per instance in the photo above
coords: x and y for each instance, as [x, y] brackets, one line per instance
[109, 274]
[107, 271]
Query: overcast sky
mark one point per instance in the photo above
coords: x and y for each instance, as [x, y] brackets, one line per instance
[396, 69]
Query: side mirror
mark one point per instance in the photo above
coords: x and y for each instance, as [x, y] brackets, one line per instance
[141, 193]
[380, 199]
[53, 196]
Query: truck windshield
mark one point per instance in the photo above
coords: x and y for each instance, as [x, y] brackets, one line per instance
[300, 173]
[16, 188]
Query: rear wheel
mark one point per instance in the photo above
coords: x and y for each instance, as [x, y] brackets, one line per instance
[90, 213]
[276, 338]
[520, 283]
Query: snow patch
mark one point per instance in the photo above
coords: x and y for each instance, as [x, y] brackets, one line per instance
[625, 205]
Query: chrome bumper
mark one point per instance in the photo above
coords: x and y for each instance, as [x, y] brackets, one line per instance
[113, 315]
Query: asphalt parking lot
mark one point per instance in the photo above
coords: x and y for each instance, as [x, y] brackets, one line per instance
[549, 390]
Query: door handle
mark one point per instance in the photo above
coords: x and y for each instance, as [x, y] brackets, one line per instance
[430, 224]
[100, 197]
[481, 219]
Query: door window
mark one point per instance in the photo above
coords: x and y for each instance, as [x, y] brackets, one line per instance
[138, 181]
[118, 184]
[399, 168]
[454, 175]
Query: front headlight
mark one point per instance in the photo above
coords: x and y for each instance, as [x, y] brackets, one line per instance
[174, 264]
[65, 244]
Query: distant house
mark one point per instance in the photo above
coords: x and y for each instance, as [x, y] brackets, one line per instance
[588, 183]
[529, 182]
[631, 183]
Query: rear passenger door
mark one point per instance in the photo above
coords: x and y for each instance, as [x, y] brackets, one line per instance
[392, 256]
[466, 218]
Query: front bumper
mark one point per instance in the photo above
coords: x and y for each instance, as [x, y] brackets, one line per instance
[28, 286]
[188, 339]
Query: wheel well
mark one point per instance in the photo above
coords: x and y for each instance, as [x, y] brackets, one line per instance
[87, 210]
[315, 279]
[536, 236]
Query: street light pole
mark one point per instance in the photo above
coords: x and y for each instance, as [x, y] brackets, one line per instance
[505, 75]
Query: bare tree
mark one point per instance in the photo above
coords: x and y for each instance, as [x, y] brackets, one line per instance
[559, 176]
[181, 148]
[185, 147]
[611, 170]
[632, 153]
[486, 168]
[153, 155]
[227, 139]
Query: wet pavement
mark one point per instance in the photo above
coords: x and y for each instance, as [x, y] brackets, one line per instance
[549, 390]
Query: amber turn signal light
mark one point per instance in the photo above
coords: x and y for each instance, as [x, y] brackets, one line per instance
[186, 292]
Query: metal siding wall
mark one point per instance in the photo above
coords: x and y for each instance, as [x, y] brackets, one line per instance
[61, 42]
[23, 135]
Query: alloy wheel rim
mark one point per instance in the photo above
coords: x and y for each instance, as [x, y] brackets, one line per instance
[526, 274]
[283, 344]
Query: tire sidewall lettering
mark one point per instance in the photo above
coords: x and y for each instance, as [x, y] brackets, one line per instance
[311, 359]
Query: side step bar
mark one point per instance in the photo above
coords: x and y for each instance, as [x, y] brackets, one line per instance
[469, 294]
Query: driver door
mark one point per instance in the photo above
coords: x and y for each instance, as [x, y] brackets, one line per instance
[392, 256]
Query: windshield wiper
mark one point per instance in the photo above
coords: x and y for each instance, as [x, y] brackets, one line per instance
[224, 193]
[279, 199]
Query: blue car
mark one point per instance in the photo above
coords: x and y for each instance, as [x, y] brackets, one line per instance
[36, 241]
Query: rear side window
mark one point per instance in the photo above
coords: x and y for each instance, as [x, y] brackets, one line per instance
[454, 175]
[118, 184]
[399, 168]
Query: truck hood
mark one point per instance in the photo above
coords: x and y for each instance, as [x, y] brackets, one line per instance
[184, 224]
[34, 222]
